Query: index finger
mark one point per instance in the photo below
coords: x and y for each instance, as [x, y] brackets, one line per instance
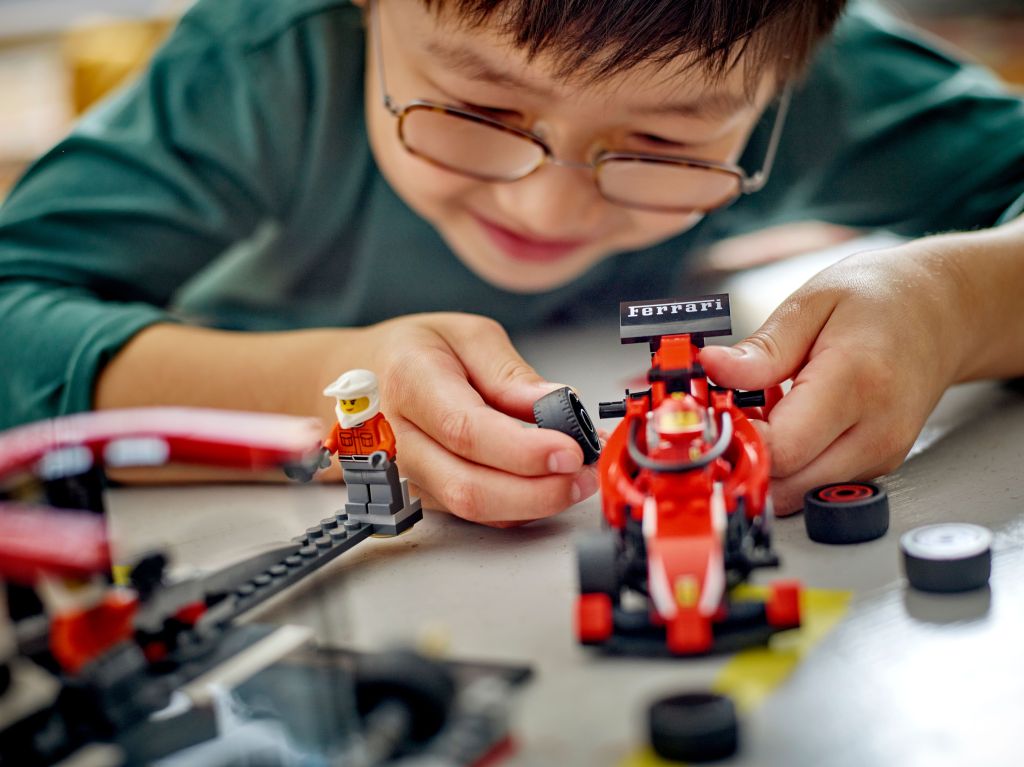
[812, 415]
[444, 405]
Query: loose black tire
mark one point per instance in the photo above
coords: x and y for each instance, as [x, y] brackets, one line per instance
[597, 557]
[426, 689]
[693, 727]
[947, 557]
[846, 512]
[562, 411]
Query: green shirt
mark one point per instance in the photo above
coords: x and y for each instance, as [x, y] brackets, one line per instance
[232, 185]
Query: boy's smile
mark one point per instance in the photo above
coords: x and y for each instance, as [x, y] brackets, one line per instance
[523, 246]
[547, 228]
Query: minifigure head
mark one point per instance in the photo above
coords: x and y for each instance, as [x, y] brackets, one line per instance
[357, 397]
[540, 137]
[353, 406]
[679, 416]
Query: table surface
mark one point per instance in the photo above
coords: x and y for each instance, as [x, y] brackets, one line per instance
[903, 679]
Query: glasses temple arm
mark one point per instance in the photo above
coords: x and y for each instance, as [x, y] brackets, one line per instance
[756, 182]
[378, 55]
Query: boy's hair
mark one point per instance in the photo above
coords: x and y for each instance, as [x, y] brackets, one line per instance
[592, 39]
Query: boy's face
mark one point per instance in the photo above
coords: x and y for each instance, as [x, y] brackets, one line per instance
[544, 230]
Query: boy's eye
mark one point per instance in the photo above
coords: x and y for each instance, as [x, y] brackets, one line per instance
[658, 141]
[497, 113]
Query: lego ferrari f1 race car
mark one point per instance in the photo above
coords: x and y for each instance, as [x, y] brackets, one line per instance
[687, 511]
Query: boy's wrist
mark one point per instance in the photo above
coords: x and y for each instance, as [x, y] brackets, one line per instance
[984, 270]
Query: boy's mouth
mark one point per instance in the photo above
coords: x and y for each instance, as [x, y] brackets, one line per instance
[523, 247]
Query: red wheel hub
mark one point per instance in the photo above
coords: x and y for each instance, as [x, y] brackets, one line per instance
[845, 493]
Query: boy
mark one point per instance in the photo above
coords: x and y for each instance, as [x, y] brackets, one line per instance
[219, 234]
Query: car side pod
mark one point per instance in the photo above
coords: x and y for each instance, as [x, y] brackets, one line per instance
[595, 618]
[782, 608]
[846, 512]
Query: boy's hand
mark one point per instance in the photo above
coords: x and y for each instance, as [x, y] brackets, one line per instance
[453, 387]
[871, 344]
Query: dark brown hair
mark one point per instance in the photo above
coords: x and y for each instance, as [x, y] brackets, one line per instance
[592, 39]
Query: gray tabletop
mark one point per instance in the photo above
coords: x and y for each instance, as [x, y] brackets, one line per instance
[903, 678]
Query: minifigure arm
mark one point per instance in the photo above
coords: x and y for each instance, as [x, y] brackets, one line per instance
[386, 438]
[330, 442]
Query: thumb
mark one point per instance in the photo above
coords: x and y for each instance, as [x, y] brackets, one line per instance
[496, 370]
[774, 352]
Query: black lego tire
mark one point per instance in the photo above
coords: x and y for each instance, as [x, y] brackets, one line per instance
[562, 411]
[947, 557]
[846, 512]
[693, 727]
[425, 687]
[597, 556]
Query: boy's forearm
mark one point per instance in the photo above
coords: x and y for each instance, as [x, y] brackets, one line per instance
[181, 365]
[990, 267]
[197, 367]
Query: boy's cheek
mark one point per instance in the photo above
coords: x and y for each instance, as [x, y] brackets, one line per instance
[428, 190]
[425, 188]
[646, 229]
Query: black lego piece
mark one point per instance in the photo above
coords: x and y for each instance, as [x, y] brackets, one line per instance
[846, 512]
[562, 411]
[693, 727]
[319, 546]
[641, 321]
[423, 689]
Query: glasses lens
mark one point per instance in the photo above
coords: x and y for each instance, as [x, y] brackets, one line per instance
[672, 187]
[467, 146]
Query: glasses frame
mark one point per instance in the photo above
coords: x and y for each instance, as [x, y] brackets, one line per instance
[748, 183]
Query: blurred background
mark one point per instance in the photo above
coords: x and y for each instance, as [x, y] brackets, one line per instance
[57, 57]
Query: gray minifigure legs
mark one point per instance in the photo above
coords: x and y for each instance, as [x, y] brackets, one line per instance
[372, 491]
[379, 497]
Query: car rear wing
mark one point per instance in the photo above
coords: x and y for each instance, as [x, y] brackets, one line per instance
[641, 321]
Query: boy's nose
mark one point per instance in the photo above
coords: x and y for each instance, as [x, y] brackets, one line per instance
[554, 202]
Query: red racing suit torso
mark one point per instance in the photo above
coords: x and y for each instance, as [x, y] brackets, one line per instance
[362, 439]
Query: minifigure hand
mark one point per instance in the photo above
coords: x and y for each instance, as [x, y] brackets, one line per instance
[306, 469]
[298, 472]
[456, 393]
[870, 343]
[379, 459]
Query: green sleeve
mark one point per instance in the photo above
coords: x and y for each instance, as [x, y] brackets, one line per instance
[892, 130]
[147, 191]
[1014, 211]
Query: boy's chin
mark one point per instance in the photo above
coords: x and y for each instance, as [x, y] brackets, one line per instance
[526, 279]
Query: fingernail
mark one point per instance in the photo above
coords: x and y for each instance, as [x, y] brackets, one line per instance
[564, 462]
[585, 485]
[736, 351]
[547, 386]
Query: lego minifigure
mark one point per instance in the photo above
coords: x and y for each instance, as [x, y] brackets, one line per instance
[677, 430]
[365, 445]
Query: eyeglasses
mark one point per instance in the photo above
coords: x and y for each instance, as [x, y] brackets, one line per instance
[480, 147]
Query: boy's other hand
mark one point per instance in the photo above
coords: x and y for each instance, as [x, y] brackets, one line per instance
[455, 392]
[870, 344]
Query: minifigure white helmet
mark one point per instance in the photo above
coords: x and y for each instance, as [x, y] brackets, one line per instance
[351, 385]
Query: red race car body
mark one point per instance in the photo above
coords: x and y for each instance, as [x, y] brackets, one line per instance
[684, 481]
